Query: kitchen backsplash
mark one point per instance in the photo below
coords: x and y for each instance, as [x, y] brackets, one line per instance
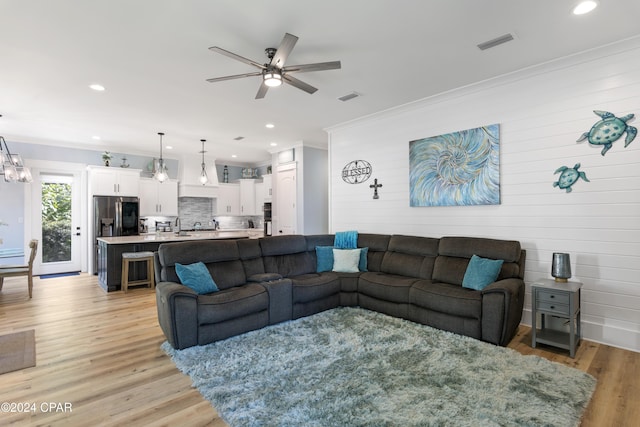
[196, 209]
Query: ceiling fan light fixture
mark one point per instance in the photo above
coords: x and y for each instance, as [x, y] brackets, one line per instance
[272, 78]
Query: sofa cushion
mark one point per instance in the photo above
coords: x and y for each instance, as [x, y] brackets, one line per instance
[346, 260]
[283, 245]
[384, 286]
[325, 260]
[377, 244]
[481, 272]
[446, 298]
[410, 256]
[314, 286]
[455, 253]
[197, 277]
[232, 303]
[466, 247]
[251, 256]
[290, 265]
[221, 257]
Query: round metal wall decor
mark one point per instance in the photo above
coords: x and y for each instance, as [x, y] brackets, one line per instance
[356, 172]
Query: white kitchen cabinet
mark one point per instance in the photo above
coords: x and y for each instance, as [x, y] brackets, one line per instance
[267, 189]
[107, 181]
[247, 197]
[260, 198]
[228, 199]
[158, 198]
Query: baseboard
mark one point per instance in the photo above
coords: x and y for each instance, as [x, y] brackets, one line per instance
[603, 334]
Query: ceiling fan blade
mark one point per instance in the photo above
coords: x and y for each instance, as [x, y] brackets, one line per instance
[237, 76]
[236, 57]
[320, 66]
[299, 84]
[262, 91]
[283, 51]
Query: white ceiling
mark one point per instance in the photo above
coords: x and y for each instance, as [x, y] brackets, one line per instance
[152, 56]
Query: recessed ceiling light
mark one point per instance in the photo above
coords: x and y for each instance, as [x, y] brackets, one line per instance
[273, 144]
[97, 87]
[234, 156]
[169, 147]
[269, 125]
[585, 7]
[97, 138]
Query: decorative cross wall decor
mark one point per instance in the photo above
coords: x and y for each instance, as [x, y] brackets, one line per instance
[375, 187]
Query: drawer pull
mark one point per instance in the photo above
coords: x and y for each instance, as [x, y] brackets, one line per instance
[553, 307]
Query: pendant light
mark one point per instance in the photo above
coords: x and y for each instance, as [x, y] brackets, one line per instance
[161, 172]
[203, 175]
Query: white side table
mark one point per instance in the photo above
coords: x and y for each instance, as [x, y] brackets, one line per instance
[549, 297]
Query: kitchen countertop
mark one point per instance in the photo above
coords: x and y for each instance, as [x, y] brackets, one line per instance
[252, 233]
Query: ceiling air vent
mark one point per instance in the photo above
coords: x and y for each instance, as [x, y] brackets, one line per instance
[349, 96]
[238, 138]
[495, 42]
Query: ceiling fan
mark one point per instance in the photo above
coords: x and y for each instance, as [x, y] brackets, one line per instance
[274, 72]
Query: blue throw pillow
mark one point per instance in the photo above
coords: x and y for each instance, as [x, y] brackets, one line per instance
[324, 255]
[481, 272]
[362, 265]
[197, 277]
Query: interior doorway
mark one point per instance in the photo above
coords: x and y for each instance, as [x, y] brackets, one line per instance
[286, 199]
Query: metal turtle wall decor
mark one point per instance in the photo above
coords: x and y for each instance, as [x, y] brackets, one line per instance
[608, 130]
[568, 177]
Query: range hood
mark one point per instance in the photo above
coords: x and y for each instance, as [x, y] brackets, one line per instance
[189, 177]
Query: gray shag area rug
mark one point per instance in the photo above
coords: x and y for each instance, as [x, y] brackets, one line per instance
[354, 367]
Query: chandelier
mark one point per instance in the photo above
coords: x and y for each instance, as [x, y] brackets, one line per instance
[11, 165]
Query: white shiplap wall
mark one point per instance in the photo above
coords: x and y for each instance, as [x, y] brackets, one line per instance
[541, 112]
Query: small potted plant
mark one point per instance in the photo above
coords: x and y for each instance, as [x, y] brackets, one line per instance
[106, 158]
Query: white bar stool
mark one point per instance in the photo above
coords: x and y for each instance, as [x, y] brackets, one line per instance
[128, 257]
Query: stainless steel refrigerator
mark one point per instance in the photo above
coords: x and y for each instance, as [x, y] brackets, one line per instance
[114, 216]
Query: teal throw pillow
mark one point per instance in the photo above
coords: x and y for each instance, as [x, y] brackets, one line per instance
[324, 255]
[481, 272]
[346, 260]
[362, 265]
[197, 277]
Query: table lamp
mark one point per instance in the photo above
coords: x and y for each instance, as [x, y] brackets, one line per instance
[561, 267]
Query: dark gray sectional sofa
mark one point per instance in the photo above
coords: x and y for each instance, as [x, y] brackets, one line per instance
[273, 279]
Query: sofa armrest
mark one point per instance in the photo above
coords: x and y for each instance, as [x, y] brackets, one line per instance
[502, 303]
[178, 314]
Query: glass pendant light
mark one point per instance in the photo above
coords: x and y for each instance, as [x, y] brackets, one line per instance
[203, 175]
[161, 172]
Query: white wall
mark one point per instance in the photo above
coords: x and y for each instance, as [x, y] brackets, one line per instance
[541, 111]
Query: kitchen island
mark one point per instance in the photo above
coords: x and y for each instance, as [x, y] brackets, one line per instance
[110, 250]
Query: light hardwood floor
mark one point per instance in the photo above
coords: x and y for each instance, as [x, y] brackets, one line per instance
[101, 354]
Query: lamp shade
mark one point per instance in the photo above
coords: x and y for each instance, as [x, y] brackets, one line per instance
[561, 267]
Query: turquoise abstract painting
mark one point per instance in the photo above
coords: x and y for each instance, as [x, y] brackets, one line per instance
[456, 169]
